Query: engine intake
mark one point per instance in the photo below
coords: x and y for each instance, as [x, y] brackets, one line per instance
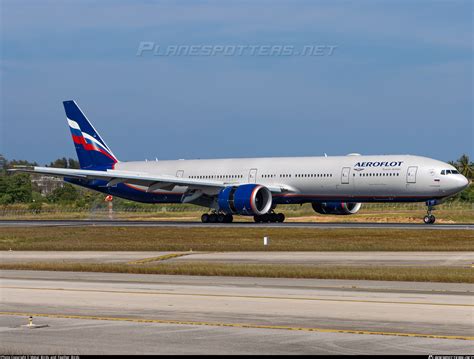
[247, 199]
[343, 208]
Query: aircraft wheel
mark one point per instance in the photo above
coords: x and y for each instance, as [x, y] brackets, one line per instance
[205, 218]
[273, 217]
[221, 218]
[280, 217]
[257, 219]
[228, 218]
[212, 218]
[429, 219]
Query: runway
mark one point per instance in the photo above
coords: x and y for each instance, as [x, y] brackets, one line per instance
[415, 259]
[93, 313]
[185, 224]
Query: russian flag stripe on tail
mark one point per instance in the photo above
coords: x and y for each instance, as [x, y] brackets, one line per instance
[92, 151]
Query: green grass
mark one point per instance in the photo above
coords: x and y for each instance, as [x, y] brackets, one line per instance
[232, 239]
[414, 274]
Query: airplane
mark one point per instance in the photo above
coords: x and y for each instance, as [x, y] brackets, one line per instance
[255, 186]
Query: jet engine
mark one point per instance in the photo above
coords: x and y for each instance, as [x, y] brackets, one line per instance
[247, 199]
[337, 207]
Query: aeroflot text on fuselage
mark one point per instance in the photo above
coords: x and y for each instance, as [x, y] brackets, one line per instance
[379, 164]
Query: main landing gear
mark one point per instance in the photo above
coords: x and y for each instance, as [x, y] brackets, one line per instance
[270, 217]
[216, 218]
[429, 218]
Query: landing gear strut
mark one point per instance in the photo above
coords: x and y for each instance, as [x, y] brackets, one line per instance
[269, 217]
[216, 218]
[429, 218]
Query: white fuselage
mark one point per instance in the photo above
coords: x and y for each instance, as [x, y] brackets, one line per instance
[356, 178]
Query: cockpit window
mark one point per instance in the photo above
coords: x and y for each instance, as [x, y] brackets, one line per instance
[449, 172]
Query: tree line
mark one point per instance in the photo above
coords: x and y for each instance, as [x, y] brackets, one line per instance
[21, 187]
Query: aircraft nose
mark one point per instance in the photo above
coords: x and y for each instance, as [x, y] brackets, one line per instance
[462, 182]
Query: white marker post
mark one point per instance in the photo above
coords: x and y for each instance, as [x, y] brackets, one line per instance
[109, 199]
[30, 324]
[266, 241]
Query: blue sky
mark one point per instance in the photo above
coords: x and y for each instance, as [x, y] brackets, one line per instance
[400, 80]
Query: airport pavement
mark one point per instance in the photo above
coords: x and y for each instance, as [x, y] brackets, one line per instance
[71, 336]
[90, 313]
[130, 223]
[76, 256]
[448, 259]
[451, 259]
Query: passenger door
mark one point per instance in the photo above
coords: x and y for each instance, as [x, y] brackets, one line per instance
[345, 187]
[178, 188]
[411, 174]
[253, 175]
[346, 171]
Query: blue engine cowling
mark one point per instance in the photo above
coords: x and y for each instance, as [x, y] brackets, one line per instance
[336, 207]
[247, 199]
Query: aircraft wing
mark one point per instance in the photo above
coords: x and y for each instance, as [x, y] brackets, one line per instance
[152, 181]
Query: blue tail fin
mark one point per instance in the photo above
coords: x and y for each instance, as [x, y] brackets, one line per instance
[92, 151]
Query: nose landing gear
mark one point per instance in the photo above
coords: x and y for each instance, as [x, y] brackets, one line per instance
[429, 218]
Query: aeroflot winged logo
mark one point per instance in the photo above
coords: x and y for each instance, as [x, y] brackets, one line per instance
[88, 142]
[359, 166]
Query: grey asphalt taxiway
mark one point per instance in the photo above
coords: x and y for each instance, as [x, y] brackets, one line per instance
[94, 313]
[187, 224]
[415, 259]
